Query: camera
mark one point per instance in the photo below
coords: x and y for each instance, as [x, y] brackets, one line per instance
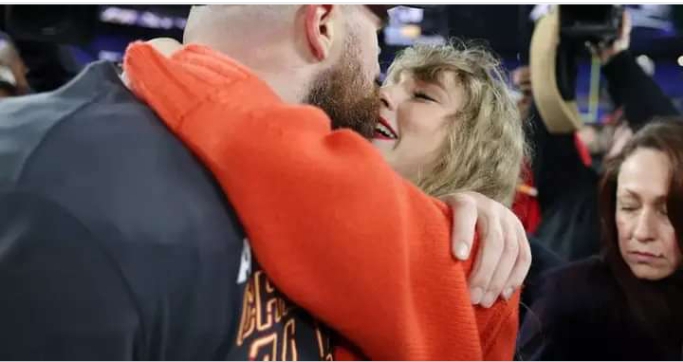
[590, 23]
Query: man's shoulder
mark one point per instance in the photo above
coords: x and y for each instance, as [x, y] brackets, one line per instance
[94, 149]
[69, 116]
[104, 163]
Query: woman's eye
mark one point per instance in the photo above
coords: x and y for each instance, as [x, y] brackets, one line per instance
[663, 211]
[422, 95]
[627, 208]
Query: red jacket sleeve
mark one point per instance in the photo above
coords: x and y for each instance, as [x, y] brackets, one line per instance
[334, 227]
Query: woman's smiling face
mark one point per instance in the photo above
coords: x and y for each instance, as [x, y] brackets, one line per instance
[414, 119]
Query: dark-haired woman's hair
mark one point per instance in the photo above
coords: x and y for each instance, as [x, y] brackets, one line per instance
[657, 306]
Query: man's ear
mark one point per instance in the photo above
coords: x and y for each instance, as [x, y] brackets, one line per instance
[320, 23]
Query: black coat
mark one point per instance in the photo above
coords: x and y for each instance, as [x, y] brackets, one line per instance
[543, 262]
[582, 314]
[116, 243]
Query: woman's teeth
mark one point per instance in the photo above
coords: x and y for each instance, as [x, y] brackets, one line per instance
[385, 131]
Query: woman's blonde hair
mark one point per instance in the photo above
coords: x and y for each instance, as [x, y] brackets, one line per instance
[485, 145]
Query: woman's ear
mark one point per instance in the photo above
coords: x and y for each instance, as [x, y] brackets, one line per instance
[321, 22]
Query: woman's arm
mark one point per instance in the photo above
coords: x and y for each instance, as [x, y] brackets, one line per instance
[334, 227]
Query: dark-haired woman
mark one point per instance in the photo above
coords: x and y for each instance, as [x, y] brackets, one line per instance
[626, 304]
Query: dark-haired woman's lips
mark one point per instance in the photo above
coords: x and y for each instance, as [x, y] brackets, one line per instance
[643, 257]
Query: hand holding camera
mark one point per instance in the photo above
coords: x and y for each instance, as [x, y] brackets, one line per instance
[606, 50]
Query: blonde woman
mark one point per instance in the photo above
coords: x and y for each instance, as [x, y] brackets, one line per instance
[445, 109]
[448, 122]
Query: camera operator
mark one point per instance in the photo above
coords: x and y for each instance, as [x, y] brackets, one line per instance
[562, 170]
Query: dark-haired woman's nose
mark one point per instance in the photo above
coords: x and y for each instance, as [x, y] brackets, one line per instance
[646, 224]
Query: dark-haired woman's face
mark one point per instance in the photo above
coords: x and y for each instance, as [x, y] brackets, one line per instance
[647, 239]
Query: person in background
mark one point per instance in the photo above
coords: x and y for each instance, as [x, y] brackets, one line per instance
[526, 201]
[561, 164]
[7, 88]
[37, 66]
[526, 205]
[626, 303]
[13, 70]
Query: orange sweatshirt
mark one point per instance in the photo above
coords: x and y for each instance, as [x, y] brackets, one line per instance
[335, 229]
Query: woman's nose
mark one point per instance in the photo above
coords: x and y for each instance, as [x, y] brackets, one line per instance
[386, 97]
[645, 227]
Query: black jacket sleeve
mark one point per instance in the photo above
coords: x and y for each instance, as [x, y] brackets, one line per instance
[546, 333]
[561, 323]
[556, 163]
[630, 86]
[544, 261]
[62, 296]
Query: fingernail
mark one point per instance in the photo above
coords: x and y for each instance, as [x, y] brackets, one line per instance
[488, 301]
[461, 251]
[507, 293]
[475, 295]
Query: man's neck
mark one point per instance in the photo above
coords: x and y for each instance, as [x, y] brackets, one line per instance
[273, 64]
[288, 86]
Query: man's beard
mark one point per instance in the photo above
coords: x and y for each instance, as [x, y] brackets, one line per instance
[349, 100]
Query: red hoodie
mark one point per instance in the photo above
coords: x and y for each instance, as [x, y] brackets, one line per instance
[333, 226]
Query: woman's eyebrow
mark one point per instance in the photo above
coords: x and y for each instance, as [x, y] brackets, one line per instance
[429, 80]
[628, 193]
[437, 81]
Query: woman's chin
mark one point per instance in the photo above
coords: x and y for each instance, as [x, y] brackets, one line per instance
[383, 144]
[649, 272]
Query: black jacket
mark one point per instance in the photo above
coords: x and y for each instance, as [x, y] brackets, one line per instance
[567, 188]
[582, 314]
[543, 262]
[117, 243]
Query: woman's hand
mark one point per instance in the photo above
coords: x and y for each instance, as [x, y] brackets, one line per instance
[504, 256]
[606, 52]
[165, 46]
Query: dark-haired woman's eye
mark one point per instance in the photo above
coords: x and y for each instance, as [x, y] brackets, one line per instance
[627, 209]
[663, 210]
[423, 96]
